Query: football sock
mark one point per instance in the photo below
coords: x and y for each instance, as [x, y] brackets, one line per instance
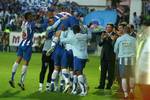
[23, 73]
[14, 69]
[81, 83]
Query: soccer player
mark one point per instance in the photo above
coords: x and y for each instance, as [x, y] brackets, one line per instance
[48, 60]
[79, 43]
[24, 50]
[59, 57]
[125, 49]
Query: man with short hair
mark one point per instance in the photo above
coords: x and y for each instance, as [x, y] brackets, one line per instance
[107, 57]
[125, 49]
[24, 50]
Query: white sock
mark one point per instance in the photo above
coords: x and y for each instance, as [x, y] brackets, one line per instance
[23, 73]
[14, 69]
[81, 83]
[15, 66]
[65, 75]
[75, 80]
[131, 82]
[54, 76]
[40, 85]
[124, 86]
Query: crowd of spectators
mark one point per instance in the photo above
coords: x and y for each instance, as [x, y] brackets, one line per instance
[11, 12]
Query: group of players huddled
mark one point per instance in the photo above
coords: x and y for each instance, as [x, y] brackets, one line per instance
[64, 51]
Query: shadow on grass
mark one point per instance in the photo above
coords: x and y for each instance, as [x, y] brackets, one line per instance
[52, 96]
[108, 93]
[8, 94]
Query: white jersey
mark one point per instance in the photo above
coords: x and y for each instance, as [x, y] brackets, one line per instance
[79, 44]
[67, 34]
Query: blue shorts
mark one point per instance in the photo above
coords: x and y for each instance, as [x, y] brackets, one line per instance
[58, 56]
[25, 53]
[126, 71]
[79, 64]
[67, 59]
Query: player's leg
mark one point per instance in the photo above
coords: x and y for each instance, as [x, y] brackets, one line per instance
[15, 66]
[79, 64]
[65, 71]
[75, 77]
[43, 71]
[54, 76]
[57, 66]
[131, 81]
[26, 58]
[56, 69]
[81, 78]
[122, 70]
[51, 69]
[71, 66]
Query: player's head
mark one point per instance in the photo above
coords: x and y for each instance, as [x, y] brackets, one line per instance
[51, 20]
[122, 28]
[76, 29]
[28, 16]
[50, 12]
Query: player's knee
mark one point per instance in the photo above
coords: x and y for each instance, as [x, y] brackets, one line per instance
[26, 63]
[19, 60]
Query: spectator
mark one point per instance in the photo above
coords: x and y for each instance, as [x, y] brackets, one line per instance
[136, 21]
[148, 7]
[5, 40]
[131, 31]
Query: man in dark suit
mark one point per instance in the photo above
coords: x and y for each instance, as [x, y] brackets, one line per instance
[107, 57]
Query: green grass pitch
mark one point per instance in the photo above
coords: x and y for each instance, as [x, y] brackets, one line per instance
[32, 79]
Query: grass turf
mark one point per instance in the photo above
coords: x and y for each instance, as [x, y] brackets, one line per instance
[32, 79]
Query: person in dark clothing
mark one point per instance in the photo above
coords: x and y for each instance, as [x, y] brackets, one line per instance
[47, 60]
[132, 32]
[107, 57]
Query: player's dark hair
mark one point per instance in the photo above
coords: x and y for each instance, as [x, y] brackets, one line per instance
[26, 15]
[76, 29]
[123, 25]
[112, 25]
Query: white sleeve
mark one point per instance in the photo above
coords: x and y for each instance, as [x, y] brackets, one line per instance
[54, 25]
[67, 37]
